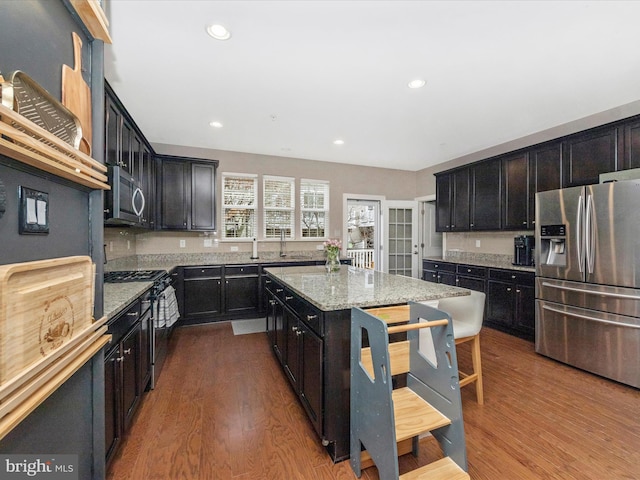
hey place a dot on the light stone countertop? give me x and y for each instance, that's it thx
(489, 261)
(357, 287)
(117, 296)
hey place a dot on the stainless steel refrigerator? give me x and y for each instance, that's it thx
(588, 278)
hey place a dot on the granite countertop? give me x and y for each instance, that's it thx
(117, 296)
(358, 287)
(497, 261)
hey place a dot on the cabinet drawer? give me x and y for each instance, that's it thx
(514, 276)
(472, 271)
(240, 270)
(121, 324)
(438, 266)
(202, 272)
(311, 316)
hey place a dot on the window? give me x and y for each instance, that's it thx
(314, 208)
(279, 204)
(240, 196)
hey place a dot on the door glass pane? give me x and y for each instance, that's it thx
(400, 231)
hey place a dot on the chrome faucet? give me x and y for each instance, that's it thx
(282, 243)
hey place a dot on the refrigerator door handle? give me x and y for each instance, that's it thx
(587, 317)
(579, 233)
(592, 292)
(589, 234)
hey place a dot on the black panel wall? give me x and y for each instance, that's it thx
(35, 37)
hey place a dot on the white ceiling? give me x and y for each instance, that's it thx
(297, 75)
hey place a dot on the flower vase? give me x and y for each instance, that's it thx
(332, 264)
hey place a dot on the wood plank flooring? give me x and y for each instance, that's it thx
(223, 409)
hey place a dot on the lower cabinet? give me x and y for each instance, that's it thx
(241, 289)
(202, 292)
(511, 302)
(439, 272)
(124, 373)
(298, 348)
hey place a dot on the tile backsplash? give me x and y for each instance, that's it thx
(500, 243)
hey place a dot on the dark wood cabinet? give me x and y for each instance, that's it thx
(452, 207)
(511, 302)
(585, 156)
(173, 189)
(545, 173)
(203, 196)
(242, 293)
(439, 272)
(298, 347)
(472, 277)
(187, 190)
(202, 292)
(485, 195)
(631, 152)
(515, 192)
(124, 372)
(127, 148)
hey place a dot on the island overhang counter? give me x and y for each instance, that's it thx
(309, 330)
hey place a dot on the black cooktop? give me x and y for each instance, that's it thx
(133, 276)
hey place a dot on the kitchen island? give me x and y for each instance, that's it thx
(309, 329)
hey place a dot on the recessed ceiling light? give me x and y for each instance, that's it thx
(215, 124)
(417, 83)
(338, 142)
(219, 32)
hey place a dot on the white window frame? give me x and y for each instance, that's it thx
(268, 206)
(246, 203)
(323, 209)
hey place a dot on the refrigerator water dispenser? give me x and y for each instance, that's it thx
(553, 245)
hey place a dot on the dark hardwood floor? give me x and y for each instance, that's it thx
(223, 409)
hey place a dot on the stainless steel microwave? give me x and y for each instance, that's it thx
(125, 202)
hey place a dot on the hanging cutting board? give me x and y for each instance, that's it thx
(44, 305)
(76, 94)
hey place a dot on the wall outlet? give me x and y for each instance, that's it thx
(234, 249)
(320, 247)
(183, 243)
(128, 244)
(477, 243)
(208, 242)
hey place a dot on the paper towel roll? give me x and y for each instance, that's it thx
(254, 252)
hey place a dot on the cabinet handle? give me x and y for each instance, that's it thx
(119, 359)
(457, 280)
(436, 265)
(453, 226)
(298, 333)
(286, 297)
(278, 290)
(127, 351)
(517, 291)
(468, 270)
(267, 281)
(174, 274)
(294, 328)
(311, 317)
(508, 289)
(227, 282)
(132, 314)
(272, 302)
(524, 223)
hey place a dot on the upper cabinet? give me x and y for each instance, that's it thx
(187, 193)
(631, 135)
(515, 192)
(589, 154)
(452, 213)
(485, 195)
(500, 191)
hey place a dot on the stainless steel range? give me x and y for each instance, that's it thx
(159, 330)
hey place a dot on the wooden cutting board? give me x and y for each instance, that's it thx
(43, 306)
(76, 94)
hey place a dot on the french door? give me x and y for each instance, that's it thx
(401, 238)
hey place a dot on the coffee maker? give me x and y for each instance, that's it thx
(523, 246)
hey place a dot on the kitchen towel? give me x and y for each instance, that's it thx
(167, 312)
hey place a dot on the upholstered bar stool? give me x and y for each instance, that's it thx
(467, 313)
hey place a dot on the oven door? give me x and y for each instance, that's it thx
(125, 202)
